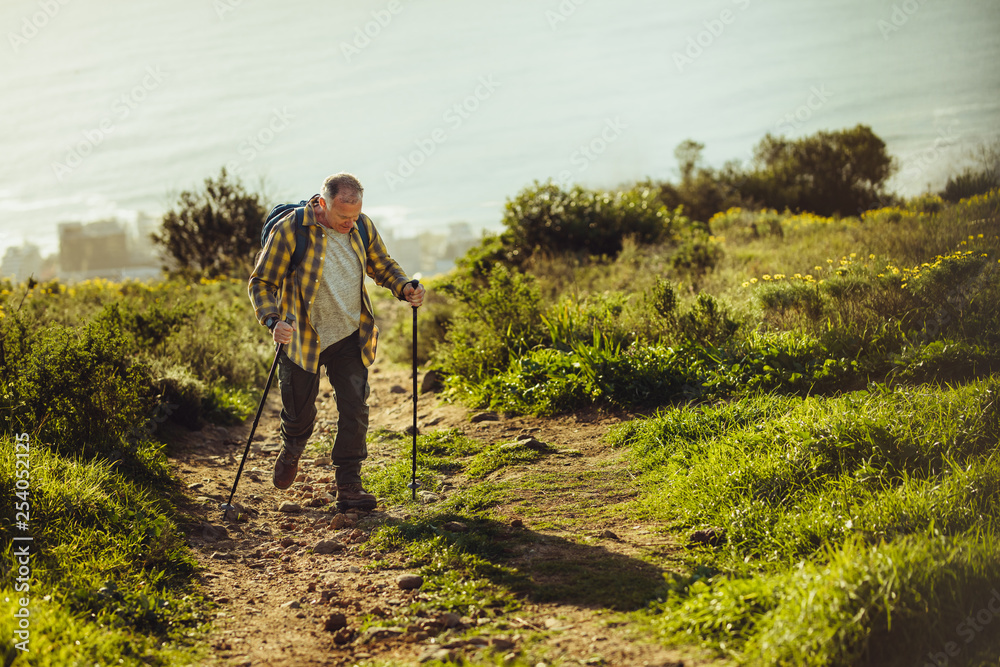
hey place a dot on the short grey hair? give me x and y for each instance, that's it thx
(343, 185)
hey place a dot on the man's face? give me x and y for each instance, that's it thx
(340, 215)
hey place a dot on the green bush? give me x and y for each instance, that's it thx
(492, 324)
(545, 219)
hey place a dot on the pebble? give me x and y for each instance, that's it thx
(354, 569)
(335, 622)
(485, 417)
(455, 527)
(323, 461)
(294, 604)
(327, 546)
(426, 497)
(289, 507)
(410, 581)
(338, 522)
(517, 523)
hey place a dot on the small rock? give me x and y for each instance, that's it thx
(301, 477)
(433, 381)
(221, 556)
(195, 486)
(287, 541)
(441, 655)
(354, 569)
(343, 636)
(294, 604)
(328, 546)
(426, 497)
(608, 535)
(485, 417)
(450, 620)
(397, 389)
(338, 522)
(409, 430)
(410, 581)
(455, 527)
(323, 461)
(501, 644)
(516, 523)
(713, 537)
(213, 533)
(289, 507)
(335, 622)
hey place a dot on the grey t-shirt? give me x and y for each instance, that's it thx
(336, 312)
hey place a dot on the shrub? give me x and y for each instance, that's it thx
(491, 325)
(548, 220)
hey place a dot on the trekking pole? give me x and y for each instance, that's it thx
(228, 506)
(414, 484)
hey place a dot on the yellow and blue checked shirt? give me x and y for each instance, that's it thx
(273, 290)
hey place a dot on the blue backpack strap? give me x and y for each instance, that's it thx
(363, 230)
(301, 239)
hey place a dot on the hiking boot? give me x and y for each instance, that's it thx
(353, 496)
(287, 465)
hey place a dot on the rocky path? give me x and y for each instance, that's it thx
(292, 588)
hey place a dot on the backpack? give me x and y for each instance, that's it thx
(301, 240)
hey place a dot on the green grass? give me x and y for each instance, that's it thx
(859, 528)
(110, 573)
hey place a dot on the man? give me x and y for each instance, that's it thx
(333, 325)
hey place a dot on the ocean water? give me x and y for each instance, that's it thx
(446, 108)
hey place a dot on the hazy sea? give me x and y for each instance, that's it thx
(446, 108)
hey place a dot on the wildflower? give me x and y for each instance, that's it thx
(753, 281)
(766, 276)
(872, 256)
(746, 283)
(829, 261)
(817, 268)
(853, 255)
(808, 277)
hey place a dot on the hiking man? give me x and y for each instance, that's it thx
(333, 325)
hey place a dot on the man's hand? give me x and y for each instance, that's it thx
(415, 297)
(283, 332)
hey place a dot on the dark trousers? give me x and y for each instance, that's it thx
(349, 377)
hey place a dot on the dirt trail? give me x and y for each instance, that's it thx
(276, 595)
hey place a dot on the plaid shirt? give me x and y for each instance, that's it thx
(272, 290)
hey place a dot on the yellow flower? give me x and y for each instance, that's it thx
(766, 276)
(809, 277)
(872, 256)
(979, 236)
(797, 275)
(853, 255)
(829, 261)
(753, 281)
(817, 268)
(746, 284)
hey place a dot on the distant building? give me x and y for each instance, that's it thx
(106, 249)
(21, 263)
